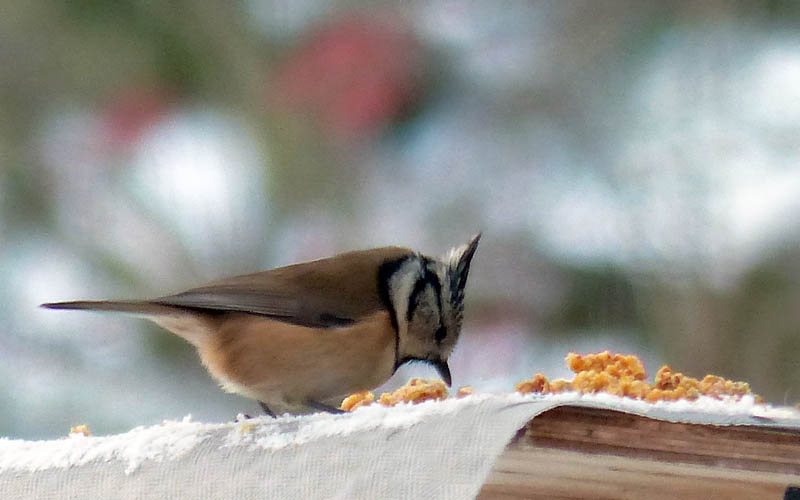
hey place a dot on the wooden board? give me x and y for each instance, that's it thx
(573, 452)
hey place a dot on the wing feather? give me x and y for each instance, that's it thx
(324, 293)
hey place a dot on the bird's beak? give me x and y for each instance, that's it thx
(444, 371)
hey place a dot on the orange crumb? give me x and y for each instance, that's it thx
(538, 383)
(624, 376)
(80, 429)
(415, 391)
(560, 385)
(465, 391)
(616, 365)
(357, 400)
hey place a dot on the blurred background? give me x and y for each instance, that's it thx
(634, 168)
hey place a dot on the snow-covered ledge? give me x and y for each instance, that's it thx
(431, 450)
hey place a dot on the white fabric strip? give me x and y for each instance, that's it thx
(431, 450)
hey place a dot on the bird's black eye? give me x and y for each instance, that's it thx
(441, 333)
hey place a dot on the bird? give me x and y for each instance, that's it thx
(299, 338)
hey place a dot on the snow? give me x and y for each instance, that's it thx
(174, 439)
(162, 442)
(704, 410)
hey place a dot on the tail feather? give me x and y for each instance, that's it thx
(190, 325)
(143, 308)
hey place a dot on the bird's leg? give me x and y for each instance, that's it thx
(266, 409)
(323, 407)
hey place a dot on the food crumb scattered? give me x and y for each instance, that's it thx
(625, 376)
(357, 400)
(538, 383)
(80, 429)
(415, 391)
(621, 375)
(465, 391)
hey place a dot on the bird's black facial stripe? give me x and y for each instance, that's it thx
(385, 273)
(428, 277)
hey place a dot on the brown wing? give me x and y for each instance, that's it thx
(323, 293)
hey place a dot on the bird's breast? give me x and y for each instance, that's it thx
(271, 360)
